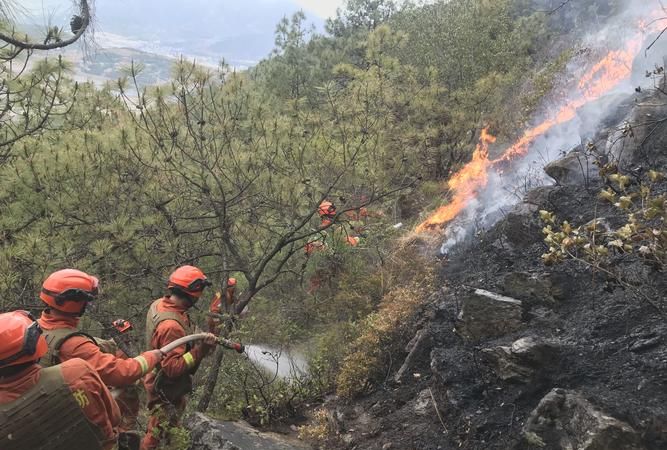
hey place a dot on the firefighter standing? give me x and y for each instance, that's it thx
(66, 294)
(327, 212)
(169, 385)
(330, 236)
(216, 309)
(62, 407)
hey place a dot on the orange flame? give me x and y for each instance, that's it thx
(464, 183)
(604, 76)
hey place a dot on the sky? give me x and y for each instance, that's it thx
(241, 31)
(323, 8)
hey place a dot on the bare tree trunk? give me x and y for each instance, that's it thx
(211, 381)
(214, 372)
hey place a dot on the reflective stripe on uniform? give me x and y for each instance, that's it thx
(189, 360)
(143, 363)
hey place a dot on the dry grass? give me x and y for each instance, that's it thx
(385, 331)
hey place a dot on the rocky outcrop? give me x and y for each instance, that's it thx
(210, 434)
(574, 169)
(566, 420)
(530, 288)
(636, 136)
(524, 361)
(519, 223)
(485, 314)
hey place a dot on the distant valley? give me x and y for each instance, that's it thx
(158, 32)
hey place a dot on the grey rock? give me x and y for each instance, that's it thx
(485, 314)
(573, 169)
(565, 420)
(505, 366)
(210, 434)
(625, 143)
(423, 405)
(520, 227)
(540, 196)
(348, 438)
(561, 285)
(532, 289)
(525, 360)
(645, 344)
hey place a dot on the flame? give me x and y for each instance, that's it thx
(604, 76)
(464, 183)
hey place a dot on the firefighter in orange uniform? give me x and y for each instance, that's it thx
(169, 385)
(66, 294)
(217, 308)
(63, 407)
(327, 212)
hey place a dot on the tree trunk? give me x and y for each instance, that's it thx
(211, 380)
(212, 376)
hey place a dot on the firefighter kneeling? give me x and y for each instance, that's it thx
(63, 407)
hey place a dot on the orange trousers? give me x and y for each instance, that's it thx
(163, 417)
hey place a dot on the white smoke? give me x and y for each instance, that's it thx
(284, 364)
(504, 191)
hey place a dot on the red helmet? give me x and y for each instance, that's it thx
(69, 290)
(189, 280)
(21, 339)
(231, 282)
(326, 209)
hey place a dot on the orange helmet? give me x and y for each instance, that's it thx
(21, 339)
(189, 280)
(231, 282)
(69, 290)
(326, 209)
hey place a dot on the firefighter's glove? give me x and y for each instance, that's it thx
(207, 345)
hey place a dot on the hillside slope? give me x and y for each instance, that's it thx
(567, 359)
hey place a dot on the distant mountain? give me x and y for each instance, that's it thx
(241, 31)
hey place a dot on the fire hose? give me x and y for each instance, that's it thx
(225, 343)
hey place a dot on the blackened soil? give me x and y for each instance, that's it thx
(613, 340)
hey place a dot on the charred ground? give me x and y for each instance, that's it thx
(599, 341)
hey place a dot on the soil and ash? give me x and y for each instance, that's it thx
(511, 354)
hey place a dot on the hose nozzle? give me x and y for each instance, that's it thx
(236, 346)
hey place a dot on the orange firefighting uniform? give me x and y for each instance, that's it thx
(99, 406)
(115, 370)
(179, 362)
(217, 307)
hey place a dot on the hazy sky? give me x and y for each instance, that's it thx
(240, 30)
(323, 8)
